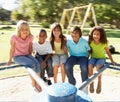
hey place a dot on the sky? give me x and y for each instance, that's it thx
(8, 4)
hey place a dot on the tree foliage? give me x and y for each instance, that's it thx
(4, 15)
(49, 11)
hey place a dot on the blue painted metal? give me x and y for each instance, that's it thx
(59, 92)
(90, 79)
(96, 74)
(63, 92)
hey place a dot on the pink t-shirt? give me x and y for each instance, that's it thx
(21, 46)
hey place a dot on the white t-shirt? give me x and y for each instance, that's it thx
(42, 49)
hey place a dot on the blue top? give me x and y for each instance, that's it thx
(78, 49)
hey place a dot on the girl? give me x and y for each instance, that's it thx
(99, 44)
(59, 57)
(21, 49)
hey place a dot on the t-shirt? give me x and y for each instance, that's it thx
(58, 49)
(21, 46)
(42, 49)
(98, 50)
(78, 49)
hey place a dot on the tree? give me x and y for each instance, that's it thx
(45, 11)
(4, 15)
(49, 11)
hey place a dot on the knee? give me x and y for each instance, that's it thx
(84, 69)
(66, 66)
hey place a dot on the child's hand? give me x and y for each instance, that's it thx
(8, 63)
(114, 63)
(44, 65)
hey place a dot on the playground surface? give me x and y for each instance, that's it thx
(20, 89)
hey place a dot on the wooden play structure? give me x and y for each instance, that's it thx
(78, 16)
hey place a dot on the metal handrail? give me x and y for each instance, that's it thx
(83, 85)
(98, 73)
(40, 82)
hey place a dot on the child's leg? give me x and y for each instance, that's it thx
(33, 80)
(99, 81)
(55, 64)
(55, 71)
(63, 72)
(37, 85)
(90, 73)
(49, 68)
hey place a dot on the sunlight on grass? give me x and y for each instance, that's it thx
(13, 72)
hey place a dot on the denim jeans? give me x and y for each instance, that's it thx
(28, 61)
(48, 69)
(82, 61)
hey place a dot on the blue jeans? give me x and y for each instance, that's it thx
(82, 61)
(28, 61)
(48, 69)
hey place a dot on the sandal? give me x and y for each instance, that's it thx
(91, 88)
(98, 90)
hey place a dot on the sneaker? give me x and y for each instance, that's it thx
(49, 82)
(45, 79)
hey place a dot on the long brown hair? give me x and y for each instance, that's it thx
(62, 37)
(103, 38)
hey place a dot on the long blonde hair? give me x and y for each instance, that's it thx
(19, 25)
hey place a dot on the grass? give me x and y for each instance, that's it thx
(20, 71)
(6, 32)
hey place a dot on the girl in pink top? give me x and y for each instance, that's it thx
(21, 49)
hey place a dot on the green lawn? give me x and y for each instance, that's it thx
(113, 38)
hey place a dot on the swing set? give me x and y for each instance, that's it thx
(78, 16)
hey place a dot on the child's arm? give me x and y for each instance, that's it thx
(109, 55)
(30, 48)
(44, 62)
(12, 50)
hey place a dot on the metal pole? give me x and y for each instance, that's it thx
(90, 79)
(38, 79)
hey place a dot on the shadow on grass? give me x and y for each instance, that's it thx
(6, 27)
(113, 33)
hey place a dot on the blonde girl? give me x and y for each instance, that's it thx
(58, 42)
(99, 45)
(21, 49)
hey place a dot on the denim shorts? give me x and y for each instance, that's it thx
(59, 59)
(97, 61)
